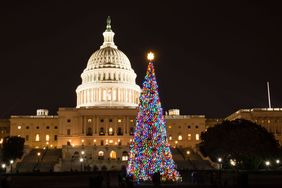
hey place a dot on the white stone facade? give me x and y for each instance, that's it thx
(108, 79)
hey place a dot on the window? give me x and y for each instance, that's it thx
(89, 131)
(19, 127)
(56, 127)
(170, 137)
(113, 155)
(169, 126)
(68, 120)
(101, 131)
(101, 120)
(37, 139)
(197, 126)
(68, 131)
(26, 137)
(119, 120)
(47, 137)
(27, 127)
(131, 121)
(37, 127)
(189, 136)
(131, 130)
(189, 127)
(102, 142)
(55, 137)
(179, 137)
(89, 120)
(124, 156)
(47, 127)
(119, 131)
(100, 155)
(111, 131)
(197, 137)
(110, 120)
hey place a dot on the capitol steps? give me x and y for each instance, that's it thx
(43, 162)
(191, 161)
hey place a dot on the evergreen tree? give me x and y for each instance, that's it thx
(13, 148)
(150, 151)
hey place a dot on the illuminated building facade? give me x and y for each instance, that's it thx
(269, 118)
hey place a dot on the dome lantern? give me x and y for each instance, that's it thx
(108, 36)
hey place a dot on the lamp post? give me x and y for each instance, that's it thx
(81, 161)
(188, 154)
(267, 164)
(4, 167)
(11, 163)
(219, 161)
(38, 156)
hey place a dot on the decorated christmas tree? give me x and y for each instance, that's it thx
(150, 151)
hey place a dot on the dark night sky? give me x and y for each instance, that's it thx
(213, 57)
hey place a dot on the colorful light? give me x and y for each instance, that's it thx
(150, 151)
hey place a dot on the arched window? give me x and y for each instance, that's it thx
(100, 155)
(101, 131)
(179, 137)
(113, 155)
(37, 139)
(119, 131)
(111, 131)
(189, 137)
(89, 131)
(124, 156)
(47, 137)
(131, 130)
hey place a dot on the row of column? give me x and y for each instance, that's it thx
(107, 94)
(108, 76)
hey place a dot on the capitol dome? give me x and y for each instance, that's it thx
(108, 79)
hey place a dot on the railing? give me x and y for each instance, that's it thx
(213, 164)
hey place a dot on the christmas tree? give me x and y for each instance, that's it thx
(150, 151)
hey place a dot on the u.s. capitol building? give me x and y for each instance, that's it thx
(101, 126)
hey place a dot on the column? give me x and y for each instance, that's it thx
(95, 94)
(99, 95)
(87, 95)
(121, 95)
(113, 92)
(124, 95)
(92, 95)
(118, 95)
